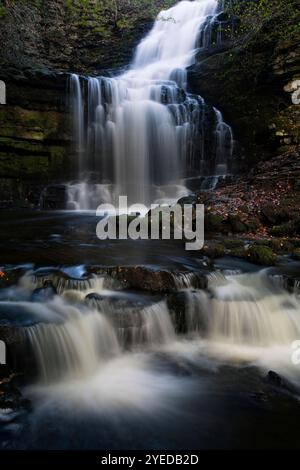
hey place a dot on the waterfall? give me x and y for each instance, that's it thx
(82, 338)
(78, 117)
(247, 316)
(224, 144)
(74, 348)
(141, 133)
(245, 310)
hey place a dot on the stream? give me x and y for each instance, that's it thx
(115, 367)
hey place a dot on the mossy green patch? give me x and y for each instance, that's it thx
(262, 255)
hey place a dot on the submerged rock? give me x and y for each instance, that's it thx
(45, 293)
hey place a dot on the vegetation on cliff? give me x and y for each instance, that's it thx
(73, 35)
(249, 75)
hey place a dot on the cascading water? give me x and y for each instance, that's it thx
(105, 356)
(140, 134)
(245, 317)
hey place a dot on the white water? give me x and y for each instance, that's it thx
(240, 319)
(139, 133)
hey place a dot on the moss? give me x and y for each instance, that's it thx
(238, 252)
(3, 11)
(27, 166)
(214, 250)
(213, 222)
(262, 255)
(32, 124)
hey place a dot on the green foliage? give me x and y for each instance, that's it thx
(3, 11)
(280, 17)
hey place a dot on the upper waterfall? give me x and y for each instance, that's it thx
(140, 134)
(169, 47)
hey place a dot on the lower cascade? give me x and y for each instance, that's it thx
(240, 317)
(141, 133)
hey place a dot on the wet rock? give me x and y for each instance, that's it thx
(58, 281)
(155, 280)
(119, 302)
(124, 311)
(10, 334)
(177, 304)
(188, 200)
(54, 197)
(15, 346)
(214, 250)
(276, 380)
(45, 293)
(11, 398)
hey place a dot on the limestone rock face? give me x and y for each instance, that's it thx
(71, 35)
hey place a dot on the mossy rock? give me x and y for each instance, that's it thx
(282, 230)
(214, 250)
(232, 244)
(263, 255)
(287, 229)
(215, 223)
(238, 252)
(252, 225)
